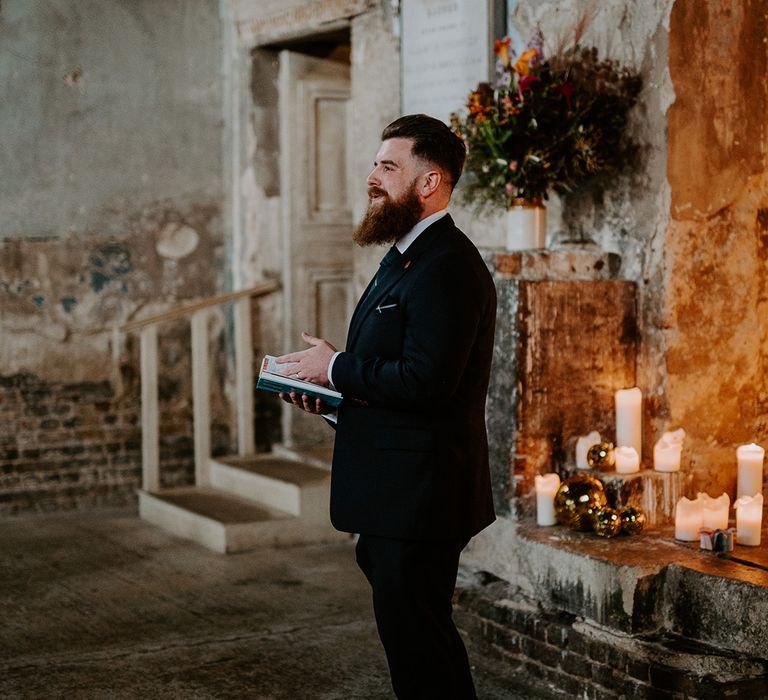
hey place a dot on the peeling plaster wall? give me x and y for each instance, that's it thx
(715, 312)
(110, 184)
(110, 209)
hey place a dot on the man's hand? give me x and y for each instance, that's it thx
(306, 403)
(311, 365)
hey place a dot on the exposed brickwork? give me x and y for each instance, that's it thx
(563, 660)
(72, 446)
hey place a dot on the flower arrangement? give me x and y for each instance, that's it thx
(544, 124)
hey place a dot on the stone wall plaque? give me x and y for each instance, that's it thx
(446, 50)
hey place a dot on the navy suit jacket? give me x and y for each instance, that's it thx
(411, 452)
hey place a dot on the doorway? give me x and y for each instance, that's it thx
(315, 212)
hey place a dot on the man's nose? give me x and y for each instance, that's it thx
(373, 178)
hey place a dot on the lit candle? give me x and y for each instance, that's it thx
(627, 460)
(688, 519)
(714, 511)
(749, 519)
(750, 480)
(629, 417)
(667, 451)
(582, 447)
(546, 488)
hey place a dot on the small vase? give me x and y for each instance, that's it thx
(526, 225)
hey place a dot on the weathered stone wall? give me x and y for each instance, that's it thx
(110, 209)
(715, 297)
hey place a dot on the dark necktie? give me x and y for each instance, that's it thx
(393, 254)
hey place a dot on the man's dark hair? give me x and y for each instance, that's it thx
(433, 142)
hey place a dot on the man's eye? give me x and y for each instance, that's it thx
(387, 168)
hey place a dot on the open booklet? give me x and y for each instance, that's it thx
(270, 379)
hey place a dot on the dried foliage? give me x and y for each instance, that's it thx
(545, 125)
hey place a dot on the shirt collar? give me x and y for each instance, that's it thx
(406, 240)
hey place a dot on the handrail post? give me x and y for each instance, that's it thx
(244, 377)
(150, 416)
(201, 397)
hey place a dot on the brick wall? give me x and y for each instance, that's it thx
(72, 446)
(564, 657)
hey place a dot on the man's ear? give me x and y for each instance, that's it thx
(431, 181)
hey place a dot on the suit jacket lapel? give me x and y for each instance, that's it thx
(373, 295)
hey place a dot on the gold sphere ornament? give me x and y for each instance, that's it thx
(577, 499)
(607, 522)
(632, 520)
(601, 456)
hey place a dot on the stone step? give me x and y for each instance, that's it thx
(287, 485)
(320, 456)
(227, 523)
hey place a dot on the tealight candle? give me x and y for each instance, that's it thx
(627, 460)
(749, 519)
(715, 511)
(667, 451)
(582, 447)
(629, 417)
(546, 488)
(750, 470)
(688, 519)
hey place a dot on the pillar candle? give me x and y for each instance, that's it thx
(750, 479)
(714, 511)
(582, 447)
(546, 488)
(627, 460)
(667, 451)
(749, 519)
(688, 519)
(629, 412)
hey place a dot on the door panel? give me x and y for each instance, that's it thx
(317, 218)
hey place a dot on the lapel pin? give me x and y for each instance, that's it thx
(407, 264)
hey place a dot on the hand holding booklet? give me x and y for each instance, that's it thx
(271, 379)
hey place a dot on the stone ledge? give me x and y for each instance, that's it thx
(645, 584)
(563, 263)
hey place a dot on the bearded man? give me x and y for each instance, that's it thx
(410, 466)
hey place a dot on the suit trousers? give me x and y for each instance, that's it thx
(412, 584)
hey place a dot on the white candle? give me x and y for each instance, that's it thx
(688, 519)
(582, 447)
(714, 511)
(667, 451)
(629, 419)
(627, 460)
(749, 519)
(546, 488)
(750, 479)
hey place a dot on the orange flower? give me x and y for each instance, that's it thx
(501, 49)
(523, 65)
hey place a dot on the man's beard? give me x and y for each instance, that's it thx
(390, 219)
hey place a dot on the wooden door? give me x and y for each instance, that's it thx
(316, 212)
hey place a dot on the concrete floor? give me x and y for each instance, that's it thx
(102, 605)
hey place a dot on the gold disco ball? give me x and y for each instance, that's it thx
(632, 520)
(601, 456)
(577, 499)
(607, 522)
